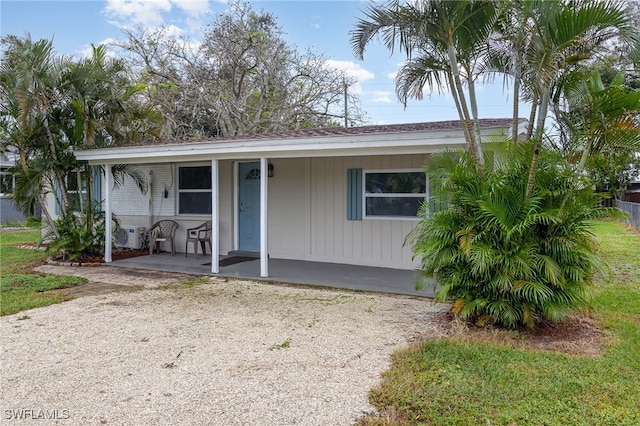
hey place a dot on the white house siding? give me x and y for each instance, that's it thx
(308, 214)
(133, 208)
(289, 206)
(127, 201)
(307, 210)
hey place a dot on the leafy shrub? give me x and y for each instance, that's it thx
(78, 237)
(500, 256)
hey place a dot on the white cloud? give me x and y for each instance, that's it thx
(383, 97)
(137, 12)
(154, 13)
(173, 31)
(352, 69)
(193, 7)
(196, 10)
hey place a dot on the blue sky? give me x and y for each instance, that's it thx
(322, 26)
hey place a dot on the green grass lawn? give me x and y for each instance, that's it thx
(471, 382)
(20, 287)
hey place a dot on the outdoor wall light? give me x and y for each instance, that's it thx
(270, 169)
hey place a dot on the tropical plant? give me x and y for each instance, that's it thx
(29, 73)
(541, 43)
(445, 46)
(512, 247)
(598, 118)
(535, 44)
(80, 238)
(51, 105)
(499, 255)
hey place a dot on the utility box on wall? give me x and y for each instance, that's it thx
(131, 237)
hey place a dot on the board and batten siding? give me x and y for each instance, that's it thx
(308, 214)
(289, 208)
(307, 210)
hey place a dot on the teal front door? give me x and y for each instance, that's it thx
(249, 206)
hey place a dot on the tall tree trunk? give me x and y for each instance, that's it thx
(516, 96)
(465, 118)
(474, 112)
(586, 151)
(40, 198)
(542, 113)
(532, 116)
(458, 106)
(64, 202)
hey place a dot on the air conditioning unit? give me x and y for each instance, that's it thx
(131, 237)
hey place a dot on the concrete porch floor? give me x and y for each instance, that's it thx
(352, 277)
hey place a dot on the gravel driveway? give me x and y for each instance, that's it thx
(220, 353)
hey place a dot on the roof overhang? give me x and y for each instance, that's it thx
(418, 142)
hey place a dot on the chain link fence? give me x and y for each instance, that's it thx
(634, 213)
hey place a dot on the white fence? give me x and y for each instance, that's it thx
(634, 213)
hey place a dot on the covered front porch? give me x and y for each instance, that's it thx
(330, 207)
(342, 276)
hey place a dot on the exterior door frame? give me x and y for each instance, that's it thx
(236, 202)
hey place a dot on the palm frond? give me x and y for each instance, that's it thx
(122, 171)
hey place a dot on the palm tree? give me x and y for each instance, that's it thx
(29, 77)
(600, 118)
(445, 45)
(51, 105)
(556, 38)
(503, 257)
(102, 111)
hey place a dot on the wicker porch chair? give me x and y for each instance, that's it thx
(200, 234)
(163, 230)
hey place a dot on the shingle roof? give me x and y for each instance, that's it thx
(345, 131)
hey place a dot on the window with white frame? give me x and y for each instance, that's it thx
(194, 190)
(394, 193)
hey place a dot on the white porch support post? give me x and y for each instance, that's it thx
(215, 216)
(264, 243)
(108, 238)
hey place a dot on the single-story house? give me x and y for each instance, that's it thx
(338, 195)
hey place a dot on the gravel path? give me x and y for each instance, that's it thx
(219, 353)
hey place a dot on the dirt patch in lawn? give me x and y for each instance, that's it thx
(576, 335)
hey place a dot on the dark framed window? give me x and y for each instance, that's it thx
(7, 182)
(194, 190)
(393, 193)
(77, 190)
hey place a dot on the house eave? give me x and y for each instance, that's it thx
(328, 146)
